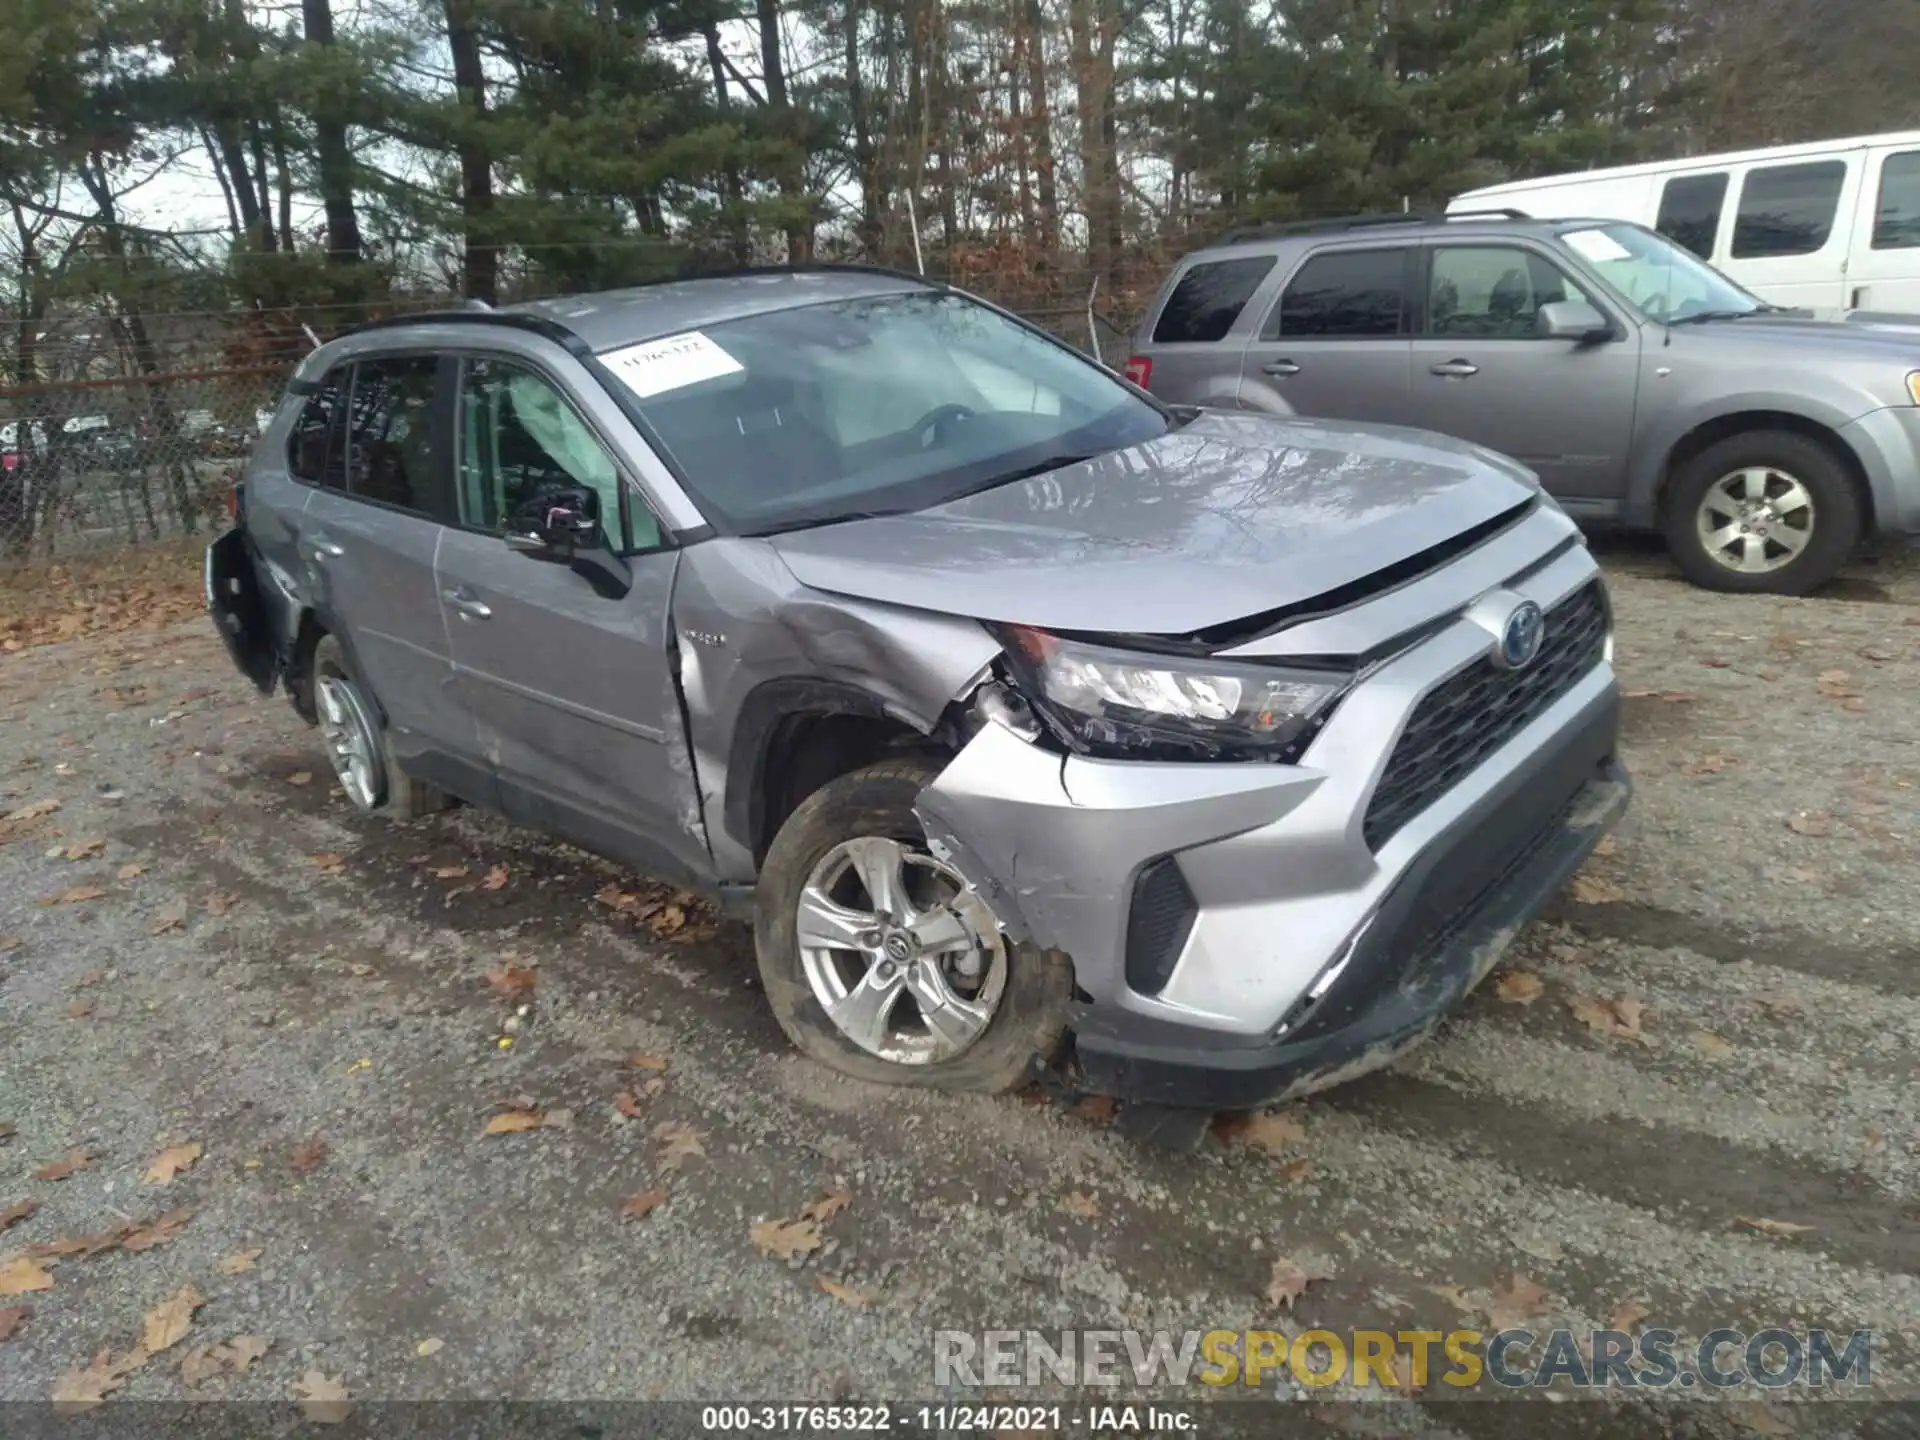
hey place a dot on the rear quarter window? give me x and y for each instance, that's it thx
(1208, 299)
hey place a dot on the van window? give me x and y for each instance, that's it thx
(1787, 209)
(1896, 219)
(1690, 211)
(1345, 294)
(1208, 299)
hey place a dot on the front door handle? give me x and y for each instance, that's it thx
(462, 600)
(1455, 369)
(1279, 367)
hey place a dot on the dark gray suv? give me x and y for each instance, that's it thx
(1642, 386)
(1007, 700)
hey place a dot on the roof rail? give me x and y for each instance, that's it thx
(1243, 233)
(1494, 212)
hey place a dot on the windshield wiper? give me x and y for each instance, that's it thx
(1038, 467)
(1701, 317)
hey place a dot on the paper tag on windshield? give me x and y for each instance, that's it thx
(1597, 246)
(670, 364)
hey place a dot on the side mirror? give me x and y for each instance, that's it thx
(555, 525)
(1571, 320)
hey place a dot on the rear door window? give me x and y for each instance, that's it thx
(1896, 216)
(1208, 299)
(1787, 209)
(1690, 211)
(1344, 295)
(317, 448)
(390, 451)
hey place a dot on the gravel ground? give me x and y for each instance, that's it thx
(265, 974)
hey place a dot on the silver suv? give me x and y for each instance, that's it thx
(1644, 387)
(1007, 700)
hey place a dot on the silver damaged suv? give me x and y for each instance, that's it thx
(1009, 702)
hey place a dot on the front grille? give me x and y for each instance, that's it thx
(1158, 923)
(1464, 719)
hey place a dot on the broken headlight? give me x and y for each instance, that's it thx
(1122, 705)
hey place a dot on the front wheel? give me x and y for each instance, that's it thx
(1766, 511)
(880, 962)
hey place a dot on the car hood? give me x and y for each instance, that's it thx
(1227, 517)
(1866, 337)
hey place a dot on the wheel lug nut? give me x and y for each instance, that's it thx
(870, 938)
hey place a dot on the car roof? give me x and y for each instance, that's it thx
(1389, 228)
(612, 318)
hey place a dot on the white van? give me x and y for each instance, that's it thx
(1833, 227)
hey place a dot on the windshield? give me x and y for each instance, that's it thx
(1666, 282)
(888, 403)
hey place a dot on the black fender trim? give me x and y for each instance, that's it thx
(766, 705)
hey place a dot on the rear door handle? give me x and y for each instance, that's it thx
(324, 549)
(1457, 369)
(1279, 367)
(461, 599)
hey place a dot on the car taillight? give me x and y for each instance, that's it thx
(1140, 370)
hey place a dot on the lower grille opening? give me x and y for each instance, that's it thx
(1158, 923)
(1465, 718)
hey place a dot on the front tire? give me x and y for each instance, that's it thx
(879, 962)
(1764, 512)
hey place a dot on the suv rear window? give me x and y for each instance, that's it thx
(1787, 209)
(1208, 299)
(1346, 294)
(1690, 211)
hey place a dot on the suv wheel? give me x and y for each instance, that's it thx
(1771, 511)
(356, 741)
(880, 962)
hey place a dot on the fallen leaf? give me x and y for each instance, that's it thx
(1270, 1130)
(79, 1009)
(1710, 1044)
(1835, 684)
(7, 1132)
(1708, 765)
(1619, 1019)
(784, 1239)
(1294, 1172)
(322, 1400)
(1606, 846)
(172, 916)
(172, 1161)
(1783, 1003)
(431, 1346)
(613, 896)
(81, 1390)
(447, 872)
(496, 878)
(1455, 1297)
(1097, 1109)
(511, 1122)
(221, 901)
(836, 1199)
(91, 977)
(644, 1203)
(35, 811)
(1519, 987)
(1517, 1302)
(678, 1144)
(308, 1156)
(152, 1233)
(648, 1062)
(131, 870)
(1772, 1227)
(14, 1214)
(845, 1294)
(167, 1323)
(22, 1275)
(300, 777)
(1080, 1205)
(67, 1168)
(512, 982)
(1757, 1417)
(199, 1365)
(629, 1105)
(1595, 890)
(239, 1262)
(85, 849)
(327, 862)
(1627, 1315)
(1289, 1281)
(1812, 823)
(12, 1317)
(1874, 1144)
(76, 895)
(671, 918)
(1854, 705)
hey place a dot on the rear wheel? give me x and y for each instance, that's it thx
(880, 962)
(356, 741)
(1767, 511)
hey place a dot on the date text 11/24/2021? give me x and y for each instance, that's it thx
(946, 1419)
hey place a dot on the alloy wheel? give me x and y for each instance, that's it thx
(348, 731)
(908, 963)
(1755, 520)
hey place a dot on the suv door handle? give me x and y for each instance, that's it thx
(323, 549)
(1458, 369)
(1279, 367)
(461, 599)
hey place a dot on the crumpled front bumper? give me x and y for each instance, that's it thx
(1310, 955)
